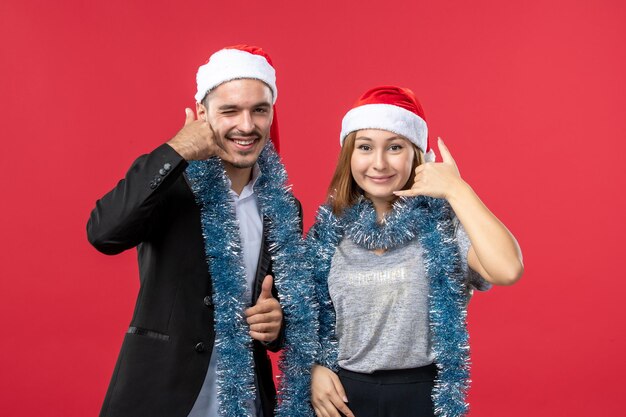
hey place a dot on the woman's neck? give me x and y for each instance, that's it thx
(382, 207)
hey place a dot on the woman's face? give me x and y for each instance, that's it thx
(381, 164)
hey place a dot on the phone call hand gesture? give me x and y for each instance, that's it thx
(196, 140)
(435, 179)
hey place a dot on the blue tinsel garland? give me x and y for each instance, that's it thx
(235, 376)
(430, 221)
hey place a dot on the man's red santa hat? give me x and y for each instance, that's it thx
(235, 63)
(390, 108)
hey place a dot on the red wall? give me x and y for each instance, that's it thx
(530, 99)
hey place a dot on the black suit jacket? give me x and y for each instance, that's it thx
(166, 351)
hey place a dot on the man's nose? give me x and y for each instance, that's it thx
(246, 124)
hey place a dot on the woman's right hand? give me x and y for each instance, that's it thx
(327, 394)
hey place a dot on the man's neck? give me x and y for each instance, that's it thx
(239, 177)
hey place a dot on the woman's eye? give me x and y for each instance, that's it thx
(364, 147)
(395, 147)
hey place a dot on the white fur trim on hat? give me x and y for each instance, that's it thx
(386, 117)
(429, 156)
(233, 64)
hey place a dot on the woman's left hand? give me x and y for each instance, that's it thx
(494, 253)
(435, 179)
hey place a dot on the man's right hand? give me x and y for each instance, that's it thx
(196, 140)
(327, 394)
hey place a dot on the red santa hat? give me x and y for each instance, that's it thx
(234, 63)
(390, 108)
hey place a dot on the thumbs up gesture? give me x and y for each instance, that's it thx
(266, 317)
(435, 179)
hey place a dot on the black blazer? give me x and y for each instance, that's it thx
(166, 351)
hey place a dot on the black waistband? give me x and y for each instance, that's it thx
(396, 376)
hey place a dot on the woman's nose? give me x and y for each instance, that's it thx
(380, 161)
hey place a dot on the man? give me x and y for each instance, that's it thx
(217, 234)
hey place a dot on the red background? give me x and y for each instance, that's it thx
(530, 98)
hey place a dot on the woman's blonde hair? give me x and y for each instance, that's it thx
(343, 191)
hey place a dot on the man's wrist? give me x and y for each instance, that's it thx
(184, 150)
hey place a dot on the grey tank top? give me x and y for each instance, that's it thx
(381, 305)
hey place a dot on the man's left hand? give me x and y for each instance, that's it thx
(266, 317)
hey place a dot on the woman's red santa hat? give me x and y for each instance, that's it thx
(235, 63)
(390, 108)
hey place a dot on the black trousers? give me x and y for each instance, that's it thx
(396, 393)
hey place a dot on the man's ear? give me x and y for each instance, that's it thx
(201, 112)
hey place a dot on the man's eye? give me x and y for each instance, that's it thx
(261, 110)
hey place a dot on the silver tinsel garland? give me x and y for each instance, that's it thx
(235, 375)
(430, 221)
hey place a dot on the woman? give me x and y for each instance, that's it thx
(397, 250)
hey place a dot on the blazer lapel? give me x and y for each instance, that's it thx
(264, 263)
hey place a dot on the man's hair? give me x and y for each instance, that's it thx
(205, 99)
(343, 191)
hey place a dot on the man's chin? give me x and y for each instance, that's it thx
(245, 158)
(242, 164)
(241, 161)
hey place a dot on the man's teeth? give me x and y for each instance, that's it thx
(243, 142)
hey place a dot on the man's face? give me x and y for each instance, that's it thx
(240, 113)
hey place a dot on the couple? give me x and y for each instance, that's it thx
(371, 321)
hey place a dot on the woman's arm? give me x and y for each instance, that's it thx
(494, 253)
(327, 394)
